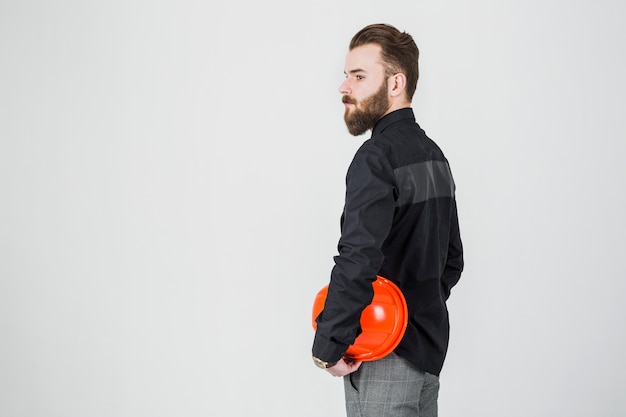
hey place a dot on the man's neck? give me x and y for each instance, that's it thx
(397, 106)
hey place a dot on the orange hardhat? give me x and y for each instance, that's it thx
(383, 322)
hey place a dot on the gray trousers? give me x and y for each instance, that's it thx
(390, 387)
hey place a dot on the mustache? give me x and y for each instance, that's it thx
(348, 100)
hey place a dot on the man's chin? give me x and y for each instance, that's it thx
(356, 130)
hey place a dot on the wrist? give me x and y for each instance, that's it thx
(323, 364)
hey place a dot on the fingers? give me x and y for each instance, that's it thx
(344, 367)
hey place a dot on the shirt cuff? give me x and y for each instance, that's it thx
(328, 350)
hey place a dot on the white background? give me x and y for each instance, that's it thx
(172, 177)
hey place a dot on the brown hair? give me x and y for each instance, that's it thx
(398, 51)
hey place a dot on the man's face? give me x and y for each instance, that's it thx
(364, 90)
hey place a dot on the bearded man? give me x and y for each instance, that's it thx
(400, 222)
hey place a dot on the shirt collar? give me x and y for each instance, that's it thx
(391, 118)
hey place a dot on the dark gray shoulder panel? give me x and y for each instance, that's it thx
(422, 181)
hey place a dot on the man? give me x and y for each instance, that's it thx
(400, 222)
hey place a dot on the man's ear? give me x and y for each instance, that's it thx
(397, 84)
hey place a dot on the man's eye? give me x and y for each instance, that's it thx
(360, 77)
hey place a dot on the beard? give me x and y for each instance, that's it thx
(361, 119)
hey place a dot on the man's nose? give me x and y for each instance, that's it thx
(344, 88)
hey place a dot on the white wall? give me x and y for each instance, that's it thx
(171, 181)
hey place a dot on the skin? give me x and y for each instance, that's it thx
(344, 367)
(365, 75)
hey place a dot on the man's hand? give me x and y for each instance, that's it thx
(344, 367)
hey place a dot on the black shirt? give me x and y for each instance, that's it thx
(400, 222)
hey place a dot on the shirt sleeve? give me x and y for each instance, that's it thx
(366, 222)
(454, 261)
